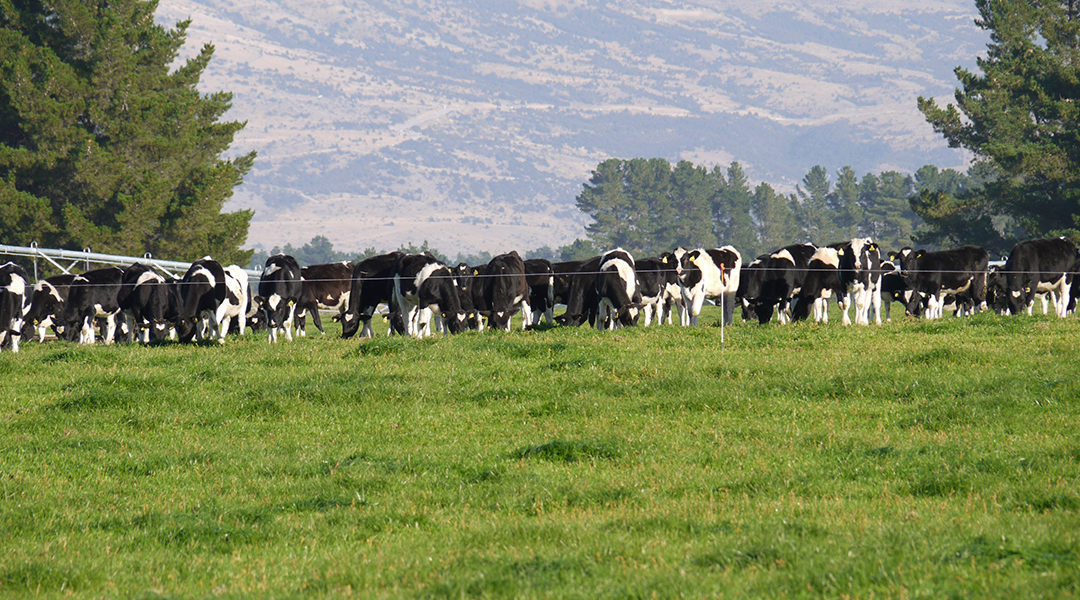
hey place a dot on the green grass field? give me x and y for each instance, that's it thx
(915, 459)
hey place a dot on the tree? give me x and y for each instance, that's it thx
(814, 214)
(103, 144)
(733, 209)
(690, 225)
(774, 221)
(1022, 114)
(843, 202)
(955, 212)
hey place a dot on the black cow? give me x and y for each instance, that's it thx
(13, 287)
(821, 283)
(751, 279)
(893, 287)
(581, 299)
(655, 278)
(934, 275)
(423, 285)
(145, 299)
(616, 290)
(92, 295)
(783, 274)
(325, 286)
(540, 276)
(202, 301)
(505, 289)
(1039, 266)
(46, 306)
(372, 284)
(280, 290)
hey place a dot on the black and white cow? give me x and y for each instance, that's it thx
(710, 273)
(237, 299)
(92, 295)
(46, 305)
(860, 275)
(14, 283)
(751, 280)
(822, 282)
(934, 275)
(783, 274)
(280, 291)
(372, 284)
(326, 287)
(580, 296)
(203, 295)
(424, 286)
(145, 301)
(541, 279)
(893, 288)
(1039, 266)
(672, 296)
(506, 289)
(616, 289)
(655, 278)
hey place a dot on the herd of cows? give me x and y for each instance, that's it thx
(424, 295)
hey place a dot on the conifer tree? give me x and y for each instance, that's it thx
(105, 142)
(1022, 113)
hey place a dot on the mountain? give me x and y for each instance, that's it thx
(473, 125)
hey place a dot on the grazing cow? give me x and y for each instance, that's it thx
(712, 273)
(893, 287)
(237, 299)
(145, 300)
(1039, 266)
(92, 295)
(540, 278)
(469, 285)
(581, 299)
(783, 274)
(505, 289)
(13, 306)
(202, 306)
(46, 306)
(325, 287)
(422, 286)
(616, 290)
(821, 283)
(655, 278)
(280, 288)
(934, 275)
(751, 280)
(563, 279)
(672, 298)
(372, 284)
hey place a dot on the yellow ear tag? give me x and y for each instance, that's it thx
(476, 272)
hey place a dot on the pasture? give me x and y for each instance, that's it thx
(915, 459)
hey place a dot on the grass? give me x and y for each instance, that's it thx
(913, 459)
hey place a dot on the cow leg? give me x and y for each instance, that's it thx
(366, 331)
(845, 307)
(526, 314)
(695, 308)
(1063, 299)
(289, 322)
(875, 305)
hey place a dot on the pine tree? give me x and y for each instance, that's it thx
(734, 201)
(814, 215)
(1022, 114)
(774, 221)
(104, 144)
(691, 224)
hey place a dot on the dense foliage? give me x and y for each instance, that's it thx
(649, 205)
(1021, 117)
(103, 143)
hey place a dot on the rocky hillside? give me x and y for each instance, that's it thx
(473, 125)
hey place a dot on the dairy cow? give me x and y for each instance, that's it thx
(202, 301)
(92, 295)
(13, 288)
(372, 284)
(280, 291)
(782, 277)
(46, 305)
(506, 289)
(423, 287)
(325, 287)
(710, 273)
(1039, 266)
(540, 277)
(145, 301)
(616, 290)
(935, 275)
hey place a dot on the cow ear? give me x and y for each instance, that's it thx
(920, 254)
(664, 260)
(872, 246)
(840, 252)
(476, 271)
